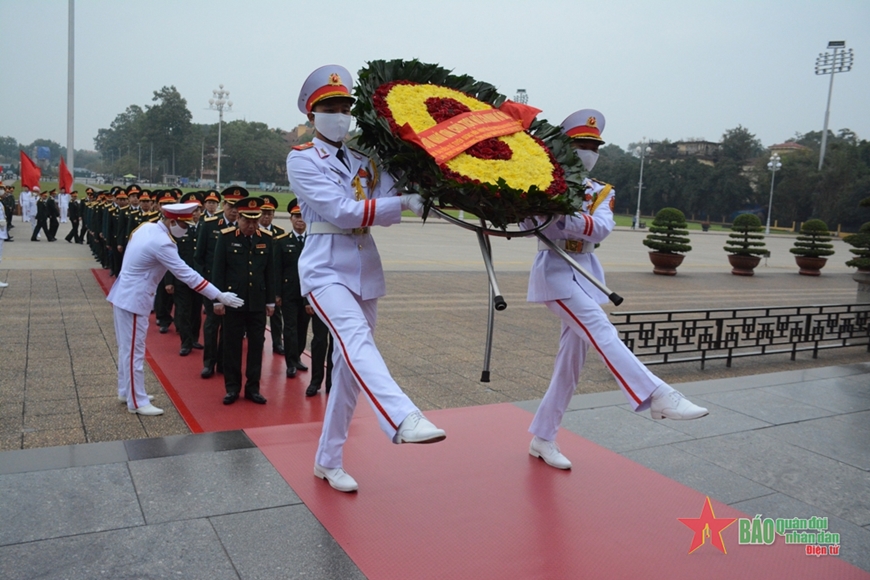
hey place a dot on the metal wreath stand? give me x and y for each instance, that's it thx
(496, 300)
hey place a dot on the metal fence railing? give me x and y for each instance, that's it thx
(672, 336)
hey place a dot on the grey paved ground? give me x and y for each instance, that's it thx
(784, 439)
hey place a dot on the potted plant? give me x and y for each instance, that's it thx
(667, 240)
(811, 247)
(861, 248)
(745, 246)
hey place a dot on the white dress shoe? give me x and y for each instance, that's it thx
(675, 406)
(124, 399)
(149, 410)
(338, 478)
(549, 452)
(418, 429)
(3, 285)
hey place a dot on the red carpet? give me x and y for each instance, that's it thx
(478, 506)
(200, 401)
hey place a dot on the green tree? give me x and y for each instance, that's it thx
(9, 148)
(254, 153)
(167, 125)
(739, 145)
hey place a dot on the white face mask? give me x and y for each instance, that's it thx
(587, 157)
(333, 126)
(176, 230)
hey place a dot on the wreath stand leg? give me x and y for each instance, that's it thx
(611, 295)
(496, 300)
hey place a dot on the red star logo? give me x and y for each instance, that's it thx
(707, 526)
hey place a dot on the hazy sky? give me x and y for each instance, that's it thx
(670, 69)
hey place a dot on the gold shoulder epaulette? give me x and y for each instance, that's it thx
(228, 230)
(599, 182)
(267, 232)
(282, 236)
(303, 146)
(211, 219)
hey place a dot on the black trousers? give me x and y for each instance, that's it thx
(276, 327)
(163, 306)
(238, 325)
(295, 329)
(74, 232)
(53, 225)
(321, 352)
(212, 341)
(40, 225)
(188, 314)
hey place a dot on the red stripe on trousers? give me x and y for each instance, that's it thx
(595, 344)
(132, 353)
(350, 365)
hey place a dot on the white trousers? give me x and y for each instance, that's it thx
(357, 365)
(130, 332)
(584, 325)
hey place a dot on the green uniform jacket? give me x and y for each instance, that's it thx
(245, 267)
(206, 242)
(286, 253)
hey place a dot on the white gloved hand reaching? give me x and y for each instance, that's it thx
(230, 299)
(413, 202)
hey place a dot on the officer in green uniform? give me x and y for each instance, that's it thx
(188, 304)
(288, 247)
(206, 242)
(243, 265)
(276, 324)
(163, 301)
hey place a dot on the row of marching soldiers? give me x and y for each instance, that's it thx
(109, 219)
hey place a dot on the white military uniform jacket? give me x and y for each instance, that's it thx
(552, 278)
(150, 252)
(330, 192)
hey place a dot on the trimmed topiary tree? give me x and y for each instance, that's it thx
(667, 240)
(745, 246)
(745, 239)
(811, 247)
(861, 248)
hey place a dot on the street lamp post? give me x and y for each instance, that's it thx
(831, 63)
(642, 150)
(774, 165)
(220, 104)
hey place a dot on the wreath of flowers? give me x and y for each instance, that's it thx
(503, 180)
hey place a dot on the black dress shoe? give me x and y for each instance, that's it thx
(300, 366)
(184, 351)
(312, 390)
(291, 372)
(328, 388)
(231, 398)
(197, 346)
(278, 349)
(256, 398)
(207, 372)
(164, 329)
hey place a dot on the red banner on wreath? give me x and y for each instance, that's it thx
(449, 138)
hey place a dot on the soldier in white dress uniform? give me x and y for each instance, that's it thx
(342, 194)
(576, 301)
(151, 251)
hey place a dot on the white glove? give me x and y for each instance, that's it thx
(413, 202)
(230, 299)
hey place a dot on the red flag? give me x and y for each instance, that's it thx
(64, 177)
(30, 173)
